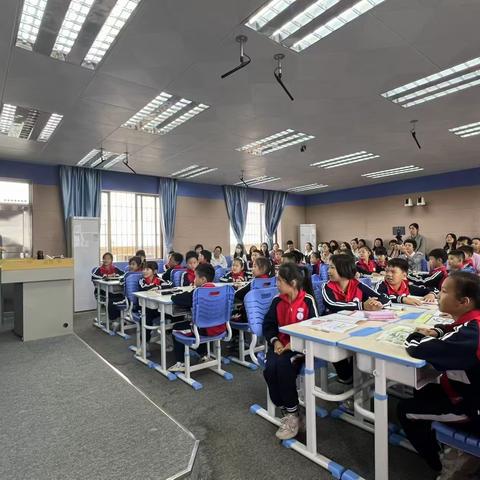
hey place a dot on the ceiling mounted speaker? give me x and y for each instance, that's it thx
(421, 202)
(408, 202)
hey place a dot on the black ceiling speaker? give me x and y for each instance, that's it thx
(278, 73)
(242, 40)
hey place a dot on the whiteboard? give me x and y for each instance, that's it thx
(84, 248)
(308, 233)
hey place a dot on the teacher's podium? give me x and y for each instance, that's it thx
(40, 293)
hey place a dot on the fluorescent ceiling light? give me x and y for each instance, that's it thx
(451, 80)
(304, 188)
(30, 21)
(275, 142)
(203, 173)
(119, 15)
(463, 131)
(164, 113)
(183, 170)
(92, 154)
(72, 24)
(115, 160)
(356, 157)
(258, 180)
(50, 127)
(7, 117)
(103, 156)
(95, 157)
(393, 171)
(295, 31)
(192, 171)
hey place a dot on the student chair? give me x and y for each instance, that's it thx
(121, 265)
(264, 283)
(256, 303)
(309, 267)
(229, 261)
(211, 307)
(324, 272)
(161, 264)
(456, 438)
(128, 318)
(177, 276)
(317, 293)
(219, 273)
(366, 281)
(424, 265)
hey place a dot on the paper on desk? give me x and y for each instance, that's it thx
(356, 314)
(332, 323)
(395, 335)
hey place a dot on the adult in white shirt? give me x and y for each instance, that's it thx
(419, 239)
(414, 258)
(218, 259)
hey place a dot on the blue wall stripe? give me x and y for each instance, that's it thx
(35, 173)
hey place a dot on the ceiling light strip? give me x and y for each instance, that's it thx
(390, 170)
(356, 154)
(50, 127)
(463, 127)
(114, 161)
(183, 170)
(166, 114)
(349, 162)
(183, 118)
(7, 117)
(268, 13)
(203, 173)
(197, 170)
(476, 132)
(326, 163)
(30, 21)
(93, 153)
(264, 140)
(396, 173)
(103, 157)
(147, 110)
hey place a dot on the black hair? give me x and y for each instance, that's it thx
(457, 253)
(396, 241)
(354, 240)
(349, 247)
(191, 254)
(335, 245)
(369, 250)
(439, 254)
(309, 243)
(467, 285)
(381, 242)
(207, 255)
(239, 255)
(239, 260)
(345, 265)
(412, 242)
(299, 256)
(198, 245)
(218, 246)
(401, 263)
(363, 241)
(177, 257)
(289, 242)
(475, 238)
(135, 259)
(454, 244)
(265, 265)
(107, 254)
(381, 251)
(140, 253)
(316, 254)
(415, 225)
(462, 238)
(152, 266)
(206, 271)
(293, 273)
(264, 252)
(466, 249)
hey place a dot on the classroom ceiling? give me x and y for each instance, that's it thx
(183, 46)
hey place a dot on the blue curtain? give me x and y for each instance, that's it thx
(167, 189)
(237, 206)
(81, 191)
(274, 205)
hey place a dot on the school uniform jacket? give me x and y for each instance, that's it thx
(432, 280)
(283, 312)
(456, 353)
(102, 271)
(231, 277)
(241, 292)
(468, 266)
(187, 278)
(379, 268)
(404, 290)
(167, 276)
(151, 283)
(366, 268)
(185, 300)
(335, 299)
(116, 296)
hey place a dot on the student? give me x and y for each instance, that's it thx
(413, 257)
(198, 248)
(218, 259)
(204, 275)
(236, 274)
(396, 286)
(264, 250)
(240, 253)
(345, 247)
(277, 259)
(450, 242)
(308, 251)
(468, 265)
(188, 276)
(394, 248)
(325, 252)
(366, 265)
(143, 257)
(294, 304)
(316, 262)
(107, 269)
(463, 240)
(252, 249)
(453, 350)
(262, 268)
(476, 254)
(354, 245)
(175, 263)
(437, 260)
(361, 243)
(380, 259)
(476, 245)
(419, 239)
(205, 256)
(254, 255)
(289, 257)
(334, 247)
(456, 262)
(276, 247)
(377, 243)
(135, 264)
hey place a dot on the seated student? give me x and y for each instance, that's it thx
(240, 253)
(456, 262)
(396, 286)
(175, 263)
(413, 258)
(143, 257)
(205, 256)
(218, 259)
(107, 269)
(366, 265)
(453, 350)
(437, 259)
(380, 259)
(316, 262)
(289, 257)
(252, 249)
(395, 248)
(204, 275)
(277, 258)
(253, 256)
(262, 268)
(463, 240)
(294, 304)
(325, 251)
(188, 276)
(264, 251)
(236, 274)
(468, 265)
(198, 248)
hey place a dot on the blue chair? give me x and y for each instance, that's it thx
(317, 293)
(229, 261)
(219, 273)
(263, 283)
(160, 263)
(316, 278)
(461, 440)
(121, 265)
(309, 267)
(177, 276)
(128, 318)
(424, 265)
(366, 281)
(212, 307)
(256, 303)
(324, 272)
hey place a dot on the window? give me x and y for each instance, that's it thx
(254, 229)
(130, 221)
(14, 192)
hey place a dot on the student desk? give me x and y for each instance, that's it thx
(106, 286)
(42, 296)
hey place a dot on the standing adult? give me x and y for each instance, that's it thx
(419, 239)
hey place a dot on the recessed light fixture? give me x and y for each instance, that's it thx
(345, 160)
(164, 113)
(451, 80)
(304, 188)
(393, 171)
(103, 158)
(463, 131)
(81, 19)
(272, 143)
(192, 171)
(258, 180)
(299, 24)
(28, 123)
